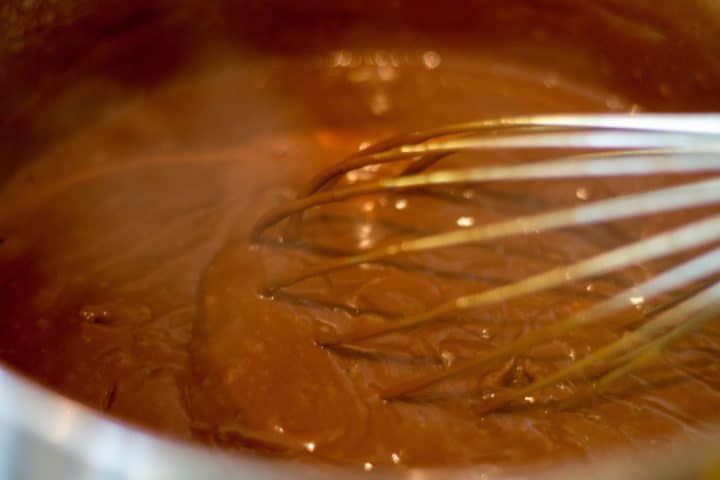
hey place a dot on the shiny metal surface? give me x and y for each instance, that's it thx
(44, 435)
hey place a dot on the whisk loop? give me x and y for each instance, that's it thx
(627, 146)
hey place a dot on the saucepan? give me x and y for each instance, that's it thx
(665, 54)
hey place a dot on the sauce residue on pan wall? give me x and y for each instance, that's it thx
(128, 283)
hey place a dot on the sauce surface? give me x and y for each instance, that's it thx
(129, 283)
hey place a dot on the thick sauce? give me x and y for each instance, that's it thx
(128, 282)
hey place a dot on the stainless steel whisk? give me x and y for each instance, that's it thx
(624, 145)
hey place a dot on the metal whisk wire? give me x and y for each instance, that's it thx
(627, 145)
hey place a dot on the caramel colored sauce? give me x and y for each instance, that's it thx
(128, 282)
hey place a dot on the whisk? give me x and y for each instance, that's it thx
(601, 146)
